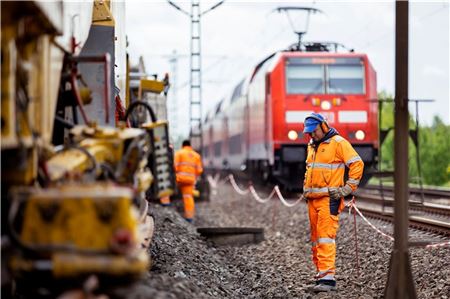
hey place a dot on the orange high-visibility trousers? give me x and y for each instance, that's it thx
(324, 223)
(188, 200)
(165, 200)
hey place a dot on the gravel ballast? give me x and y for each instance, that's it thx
(185, 265)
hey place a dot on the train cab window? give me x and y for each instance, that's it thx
(304, 78)
(347, 79)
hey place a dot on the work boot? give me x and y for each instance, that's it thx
(323, 285)
(188, 220)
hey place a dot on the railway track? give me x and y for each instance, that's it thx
(428, 193)
(424, 216)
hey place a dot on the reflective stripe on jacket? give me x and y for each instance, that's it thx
(325, 167)
(188, 165)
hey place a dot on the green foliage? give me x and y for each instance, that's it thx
(387, 123)
(434, 147)
(435, 152)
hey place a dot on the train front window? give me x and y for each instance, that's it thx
(348, 79)
(305, 79)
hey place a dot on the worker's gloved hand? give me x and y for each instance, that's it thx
(337, 193)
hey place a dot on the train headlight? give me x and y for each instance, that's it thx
(360, 135)
(292, 135)
(325, 105)
(336, 101)
(315, 101)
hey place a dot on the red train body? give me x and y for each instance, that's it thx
(258, 128)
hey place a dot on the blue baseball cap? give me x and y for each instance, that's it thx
(312, 121)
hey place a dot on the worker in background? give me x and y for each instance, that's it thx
(165, 201)
(324, 189)
(188, 167)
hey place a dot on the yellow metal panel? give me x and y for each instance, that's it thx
(154, 86)
(155, 124)
(101, 15)
(8, 110)
(44, 61)
(44, 82)
(78, 216)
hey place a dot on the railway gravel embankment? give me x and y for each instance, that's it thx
(185, 265)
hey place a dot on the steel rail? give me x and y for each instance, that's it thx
(415, 221)
(414, 205)
(428, 192)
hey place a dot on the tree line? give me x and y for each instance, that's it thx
(434, 147)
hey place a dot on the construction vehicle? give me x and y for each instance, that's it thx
(74, 190)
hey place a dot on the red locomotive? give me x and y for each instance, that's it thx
(258, 128)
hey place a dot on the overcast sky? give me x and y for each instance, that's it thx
(238, 34)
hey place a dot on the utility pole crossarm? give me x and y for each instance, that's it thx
(195, 97)
(179, 8)
(287, 8)
(213, 7)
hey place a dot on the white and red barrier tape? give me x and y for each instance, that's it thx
(351, 205)
(257, 197)
(284, 201)
(236, 187)
(431, 246)
(214, 182)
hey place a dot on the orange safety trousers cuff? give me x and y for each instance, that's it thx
(324, 226)
(165, 200)
(188, 200)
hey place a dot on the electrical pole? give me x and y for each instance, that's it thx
(195, 133)
(195, 97)
(400, 283)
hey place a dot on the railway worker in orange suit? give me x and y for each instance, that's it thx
(324, 189)
(188, 167)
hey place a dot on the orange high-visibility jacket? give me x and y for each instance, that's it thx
(325, 167)
(188, 165)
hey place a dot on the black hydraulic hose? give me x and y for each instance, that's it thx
(141, 103)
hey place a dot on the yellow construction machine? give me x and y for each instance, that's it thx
(74, 191)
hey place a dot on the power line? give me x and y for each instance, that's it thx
(383, 36)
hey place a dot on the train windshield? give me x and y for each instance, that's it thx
(305, 79)
(346, 79)
(325, 76)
